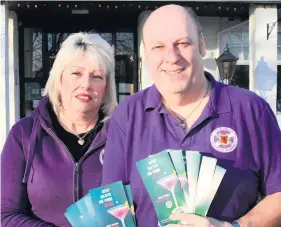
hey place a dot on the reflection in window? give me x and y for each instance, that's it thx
(125, 69)
(54, 41)
(107, 37)
(32, 96)
(239, 44)
(32, 53)
(235, 38)
(36, 54)
(125, 44)
(241, 76)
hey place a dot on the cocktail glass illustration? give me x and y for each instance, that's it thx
(119, 212)
(184, 186)
(183, 181)
(169, 183)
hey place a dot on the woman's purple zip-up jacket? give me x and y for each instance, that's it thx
(39, 177)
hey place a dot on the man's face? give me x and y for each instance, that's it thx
(172, 51)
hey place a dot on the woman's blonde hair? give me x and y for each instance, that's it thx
(99, 51)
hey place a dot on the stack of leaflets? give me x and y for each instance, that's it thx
(109, 205)
(81, 213)
(180, 181)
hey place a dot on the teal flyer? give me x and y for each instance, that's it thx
(73, 215)
(111, 206)
(193, 162)
(87, 212)
(130, 200)
(180, 167)
(161, 181)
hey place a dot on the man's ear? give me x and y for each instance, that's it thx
(143, 53)
(202, 46)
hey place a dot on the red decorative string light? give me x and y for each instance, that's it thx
(110, 6)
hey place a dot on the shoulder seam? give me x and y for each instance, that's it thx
(263, 112)
(112, 118)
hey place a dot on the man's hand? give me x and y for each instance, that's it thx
(197, 221)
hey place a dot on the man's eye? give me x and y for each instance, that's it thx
(157, 47)
(183, 44)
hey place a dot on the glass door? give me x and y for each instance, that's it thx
(125, 66)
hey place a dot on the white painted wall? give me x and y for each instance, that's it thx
(9, 73)
(14, 88)
(210, 27)
(263, 53)
(4, 75)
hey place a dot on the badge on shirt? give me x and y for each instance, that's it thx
(224, 139)
(101, 156)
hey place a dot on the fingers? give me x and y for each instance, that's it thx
(190, 220)
(178, 225)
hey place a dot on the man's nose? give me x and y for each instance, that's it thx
(172, 55)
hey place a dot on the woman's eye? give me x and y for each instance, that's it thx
(97, 77)
(76, 73)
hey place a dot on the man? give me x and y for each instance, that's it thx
(187, 109)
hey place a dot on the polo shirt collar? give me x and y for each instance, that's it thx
(219, 102)
(153, 99)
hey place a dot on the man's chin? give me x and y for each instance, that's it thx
(175, 91)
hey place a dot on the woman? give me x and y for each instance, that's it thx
(52, 158)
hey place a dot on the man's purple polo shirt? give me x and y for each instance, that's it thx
(237, 127)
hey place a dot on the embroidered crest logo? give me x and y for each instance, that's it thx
(101, 156)
(224, 139)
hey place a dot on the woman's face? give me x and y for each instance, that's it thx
(82, 86)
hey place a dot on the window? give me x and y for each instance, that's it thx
(241, 76)
(279, 45)
(239, 44)
(237, 38)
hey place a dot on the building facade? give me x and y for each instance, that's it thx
(31, 33)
